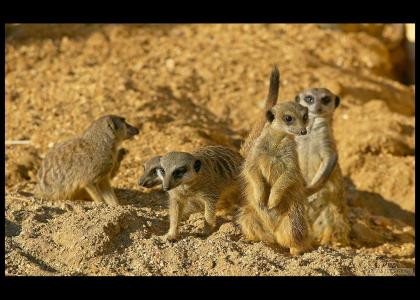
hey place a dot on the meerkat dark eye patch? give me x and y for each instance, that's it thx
(337, 101)
(287, 119)
(326, 100)
(153, 172)
(178, 173)
(197, 165)
(270, 116)
(309, 99)
(305, 117)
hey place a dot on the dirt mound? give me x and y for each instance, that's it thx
(186, 86)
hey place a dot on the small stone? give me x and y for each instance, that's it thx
(170, 64)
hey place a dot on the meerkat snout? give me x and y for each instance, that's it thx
(131, 130)
(303, 131)
(150, 177)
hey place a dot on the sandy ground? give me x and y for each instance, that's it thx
(186, 86)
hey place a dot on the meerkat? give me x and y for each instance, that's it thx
(271, 100)
(327, 211)
(206, 178)
(82, 194)
(86, 163)
(274, 209)
(150, 177)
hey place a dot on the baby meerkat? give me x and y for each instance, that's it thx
(274, 186)
(87, 162)
(150, 177)
(327, 211)
(207, 178)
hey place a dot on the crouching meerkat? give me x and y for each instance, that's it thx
(86, 163)
(206, 178)
(327, 211)
(150, 177)
(274, 208)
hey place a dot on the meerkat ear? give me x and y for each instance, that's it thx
(337, 101)
(270, 116)
(197, 165)
(297, 98)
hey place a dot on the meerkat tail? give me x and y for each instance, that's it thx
(273, 90)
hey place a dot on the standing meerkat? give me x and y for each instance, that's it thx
(207, 178)
(274, 186)
(86, 163)
(150, 177)
(327, 211)
(271, 100)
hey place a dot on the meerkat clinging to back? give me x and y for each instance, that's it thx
(274, 186)
(318, 157)
(86, 163)
(206, 178)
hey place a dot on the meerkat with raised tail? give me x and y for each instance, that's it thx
(327, 210)
(206, 178)
(150, 177)
(86, 163)
(271, 100)
(274, 209)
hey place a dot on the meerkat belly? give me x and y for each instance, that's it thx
(309, 157)
(271, 167)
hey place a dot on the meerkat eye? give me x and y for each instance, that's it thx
(325, 100)
(288, 119)
(309, 99)
(178, 173)
(153, 172)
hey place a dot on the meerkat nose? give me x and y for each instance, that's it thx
(303, 131)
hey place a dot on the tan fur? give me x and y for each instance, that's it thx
(327, 210)
(82, 194)
(274, 187)
(86, 163)
(214, 186)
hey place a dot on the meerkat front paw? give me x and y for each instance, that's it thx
(312, 198)
(272, 202)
